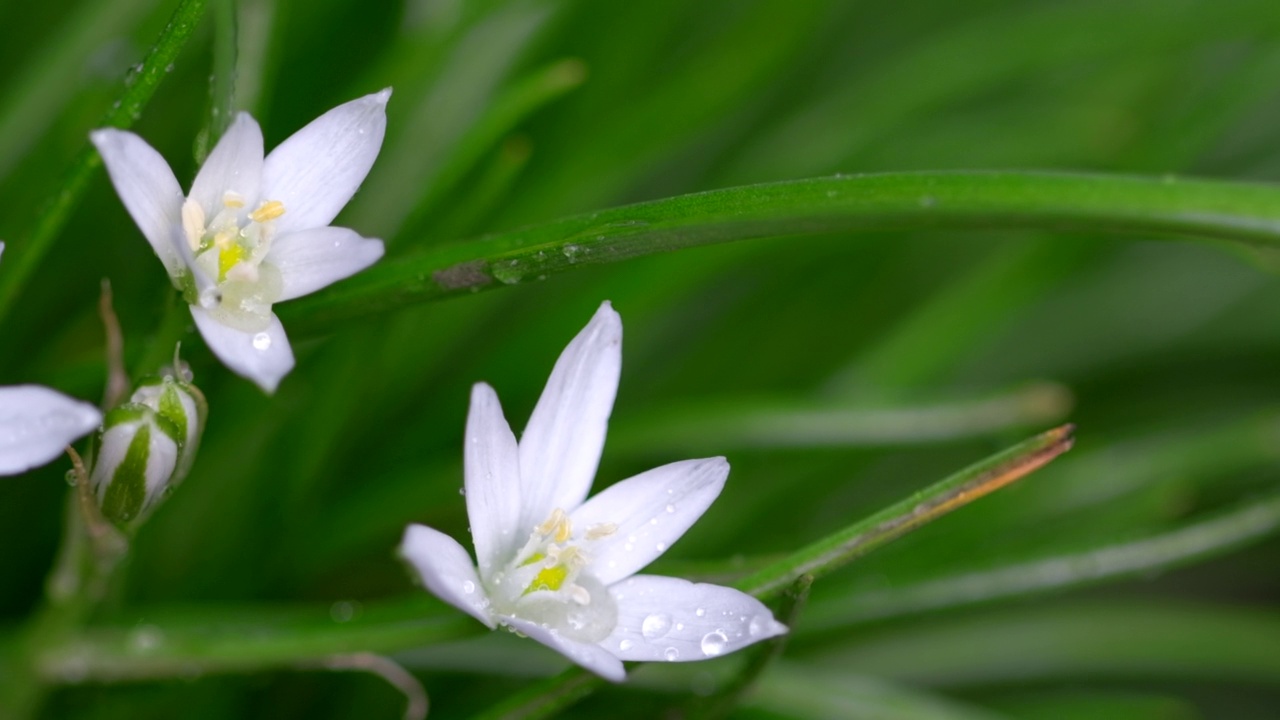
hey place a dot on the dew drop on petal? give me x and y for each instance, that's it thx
(468, 587)
(671, 654)
(655, 625)
(261, 341)
(756, 627)
(713, 643)
(671, 508)
(660, 547)
(625, 645)
(700, 612)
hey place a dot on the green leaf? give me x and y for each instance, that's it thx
(1189, 543)
(1151, 207)
(902, 517)
(140, 85)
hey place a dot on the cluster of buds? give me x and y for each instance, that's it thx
(145, 447)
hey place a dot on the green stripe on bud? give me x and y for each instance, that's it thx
(183, 405)
(135, 455)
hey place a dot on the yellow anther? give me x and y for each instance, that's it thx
(232, 199)
(269, 210)
(600, 530)
(557, 525)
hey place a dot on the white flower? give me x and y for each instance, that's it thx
(562, 570)
(254, 231)
(36, 423)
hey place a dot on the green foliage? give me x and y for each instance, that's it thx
(856, 247)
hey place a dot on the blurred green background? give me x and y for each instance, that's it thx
(1070, 595)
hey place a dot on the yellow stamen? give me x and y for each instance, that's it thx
(557, 524)
(269, 210)
(232, 199)
(192, 222)
(595, 532)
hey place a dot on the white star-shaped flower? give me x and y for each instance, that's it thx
(37, 423)
(254, 231)
(562, 569)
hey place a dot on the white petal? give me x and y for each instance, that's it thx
(147, 188)
(235, 165)
(446, 570)
(650, 511)
(492, 471)
(311, 259)
(561, 446)
(592, 657)
(317, 170)
(674, 620)
(1, 248)
(37, 423)
(264, 357)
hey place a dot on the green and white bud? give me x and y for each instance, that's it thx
(182, 404)
(146, 447)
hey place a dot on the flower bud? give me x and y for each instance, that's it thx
(145, 447)
(182, 404)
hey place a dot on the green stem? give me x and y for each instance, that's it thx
(901, 518)
(1155, 207)
(139, 87)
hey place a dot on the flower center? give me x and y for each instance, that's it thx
(548, 582)
(228, 252)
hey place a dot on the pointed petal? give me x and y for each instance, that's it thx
(264, 357)
(670, 619)
(147, 188)
(317, 170)
(650, 511)
(235, 165)
(311, 259)
(446, 570)
(561, 446)
(492, 471)
(592, 657)
(37, 423)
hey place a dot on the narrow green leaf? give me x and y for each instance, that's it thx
(1099, 640)
(168, 643)
(901, 518)
(545, 698)
(1184, 545)
(25, 256)
(755, 424)
(42, 88)
(805, 691)
(1155, 207)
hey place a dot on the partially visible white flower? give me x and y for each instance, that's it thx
(254, 231)
(561, 570)
(37, 423)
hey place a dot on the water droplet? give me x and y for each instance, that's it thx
(628, 547)
(625, 645)
(700, 612)
(671, 508)
(713, 643)
(671, 654)
(756, 627)
(462, 491)
(261, 341)
(679, 626)
(653, 521)
(468, 587)
(146, 638)
(660, 547)
(71, 478)
(343, 611)
(655, 625)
